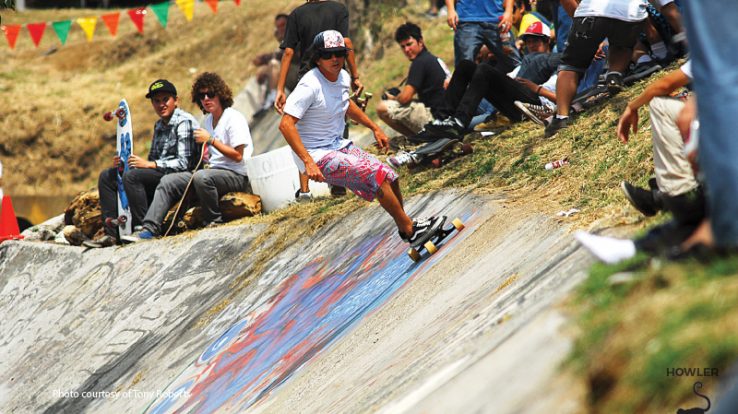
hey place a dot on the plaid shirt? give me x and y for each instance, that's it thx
(173, 147)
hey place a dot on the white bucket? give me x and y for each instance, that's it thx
(274, 177)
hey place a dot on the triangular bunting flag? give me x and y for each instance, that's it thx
(36, 30)
(213, 5)
(161, 11)
(111, 22)
(88, 26)
(187, 7)
(238, 2)
(11, 34)
(62, 29)
(137, 16)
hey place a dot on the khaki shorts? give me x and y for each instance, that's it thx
(413, 116)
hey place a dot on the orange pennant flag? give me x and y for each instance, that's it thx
(213, 5)
(111, 22)
(11, 34)
(36, 30)
(238, 2)
(137, 16)
(88, 26)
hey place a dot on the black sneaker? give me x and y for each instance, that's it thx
(614, 82)
(337, 191)
(555, 125)
(536, 113)
(641, 199)
(443, 128)
(423, 230)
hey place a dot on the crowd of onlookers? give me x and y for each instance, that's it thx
(514, 60)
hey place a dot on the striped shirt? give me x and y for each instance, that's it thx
(173, 147)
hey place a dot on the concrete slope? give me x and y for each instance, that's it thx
(342, 322)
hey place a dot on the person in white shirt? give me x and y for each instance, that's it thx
(620, 21)
(229, 145)
(313, 123)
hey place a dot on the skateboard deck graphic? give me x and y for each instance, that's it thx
(440, 152)
(124, 149)
(430, 243)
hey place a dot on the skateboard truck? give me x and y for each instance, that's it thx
(437, 237)
(119, 113)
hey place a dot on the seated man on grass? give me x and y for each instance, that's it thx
(426, 78)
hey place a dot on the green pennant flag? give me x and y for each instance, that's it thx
(62, 29)
(161, 11)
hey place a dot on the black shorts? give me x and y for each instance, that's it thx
(588, 32)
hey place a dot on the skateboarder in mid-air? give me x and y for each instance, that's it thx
(313, 124)
(173, 149)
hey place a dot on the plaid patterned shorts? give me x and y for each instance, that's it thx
(357, 170)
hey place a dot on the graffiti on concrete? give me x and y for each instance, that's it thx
(310, 310)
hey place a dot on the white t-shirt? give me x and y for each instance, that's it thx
(551, 86)
(625, 10)
(320, 105)
(232, 130)
(687, 69)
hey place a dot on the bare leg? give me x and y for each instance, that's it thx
(671, 12)
(304, 183)
(701, 235)
(383, 113)
(619, 58)
(396, 189)
(566, 88)
(393, 205)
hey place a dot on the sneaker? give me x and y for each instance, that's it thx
(641, 199)
(443, 128)
(536, 113)
(301, 197)
(402, 158)
(495, 121)
(138, 236)
(104, 241)
(555, 126)
(614, 82)
(423, 230)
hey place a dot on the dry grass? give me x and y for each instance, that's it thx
(55, 141)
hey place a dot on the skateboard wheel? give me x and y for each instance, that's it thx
(109, 222)
(458, 224)
(467, 149)
(122, 219)
(108, 116)
(431, 247)
(414, 255)
(120, 113)
(181, 225)
(436, 162)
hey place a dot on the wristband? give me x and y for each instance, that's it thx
(538, 91)
(211, 140)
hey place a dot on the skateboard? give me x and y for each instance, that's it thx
(124, 149)
(438, 152)
(430, 243)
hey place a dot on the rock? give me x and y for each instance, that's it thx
(84, 213)
(46, 230)
(74, 235)
(233, 206)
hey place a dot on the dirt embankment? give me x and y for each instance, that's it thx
(53, 97)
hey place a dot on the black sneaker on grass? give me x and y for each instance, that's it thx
(555, 126)
(423, 230)
(641, 199)
(442, 128)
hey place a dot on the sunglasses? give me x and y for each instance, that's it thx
(205, 95)
(337, 53)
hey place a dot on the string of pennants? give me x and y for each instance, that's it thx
(88, 24)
